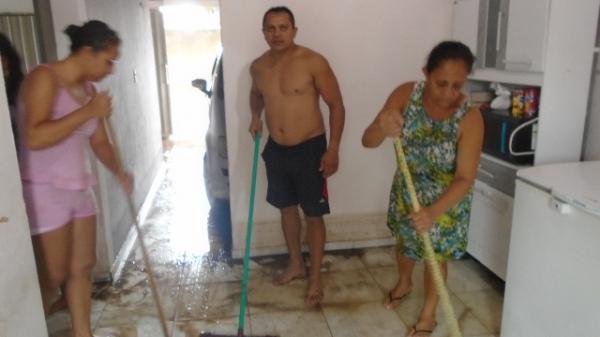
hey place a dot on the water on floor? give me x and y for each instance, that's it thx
(200, 287)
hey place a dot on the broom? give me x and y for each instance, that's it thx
(429, 253)
(244, 295)
(146, 258)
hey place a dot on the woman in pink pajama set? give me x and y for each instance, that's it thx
(61, 115)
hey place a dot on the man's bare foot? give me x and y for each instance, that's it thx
(314, 295)
(288, 275)
(396, 295)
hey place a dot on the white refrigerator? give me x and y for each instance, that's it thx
(553, 275)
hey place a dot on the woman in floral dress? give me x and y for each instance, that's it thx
(442, 137)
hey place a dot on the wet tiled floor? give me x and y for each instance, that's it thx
(200, 290)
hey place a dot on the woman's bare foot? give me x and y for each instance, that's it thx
(288, 275)
(58, 305)
(90, 334)
(396, 295)
(314, 295)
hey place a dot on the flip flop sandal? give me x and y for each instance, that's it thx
(391, 299)
(414, 332)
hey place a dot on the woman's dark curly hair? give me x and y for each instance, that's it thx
(14, 75)
(94, 33)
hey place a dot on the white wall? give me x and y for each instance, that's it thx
(16, 6)
(64, 13)
(372, 47)
(592, 136)
(136, 115)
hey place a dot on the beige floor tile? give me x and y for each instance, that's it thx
(468, 275)
(290, 324)
(387, 277)
(132, 304)
(363, 320)
(266, 297)
(350, 287)
(469, 324)
(209, 301)
(201, 271)
(346, 261)
(380, 257)
(140, 300)
(116, 317)
(140, 327)
(59, 323)
(486, 305)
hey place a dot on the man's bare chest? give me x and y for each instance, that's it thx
(288, 80)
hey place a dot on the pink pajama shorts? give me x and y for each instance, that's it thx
(49, 208)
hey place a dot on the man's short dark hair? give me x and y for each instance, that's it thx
(280, 9)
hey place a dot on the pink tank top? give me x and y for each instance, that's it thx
(65, 164)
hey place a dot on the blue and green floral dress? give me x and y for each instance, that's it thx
(430, 147)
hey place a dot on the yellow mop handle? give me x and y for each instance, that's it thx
(434, 267)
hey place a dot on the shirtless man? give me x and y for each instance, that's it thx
(287, 82)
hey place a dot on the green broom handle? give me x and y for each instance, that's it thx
(429, 252)
(244, 295)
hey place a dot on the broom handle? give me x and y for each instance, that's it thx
(429, 252)
(244, 295)
(151, 278)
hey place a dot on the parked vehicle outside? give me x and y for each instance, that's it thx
(216, 165)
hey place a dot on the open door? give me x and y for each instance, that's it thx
(21, 312)
(160, 51)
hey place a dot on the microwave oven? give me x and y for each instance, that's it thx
(509, 138)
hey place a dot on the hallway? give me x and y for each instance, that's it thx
(201, 292)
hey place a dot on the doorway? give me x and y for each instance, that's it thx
(192, 41)
(190, 53)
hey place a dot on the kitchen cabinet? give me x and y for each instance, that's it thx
(504, 34)
(523, 34)
(554, 256)
(567, 56)
(489, 228)
(465, 24)
(475, 23)
(491, 213)
(567, 77)
(565, 85)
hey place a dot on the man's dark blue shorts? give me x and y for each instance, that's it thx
(293, 175)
